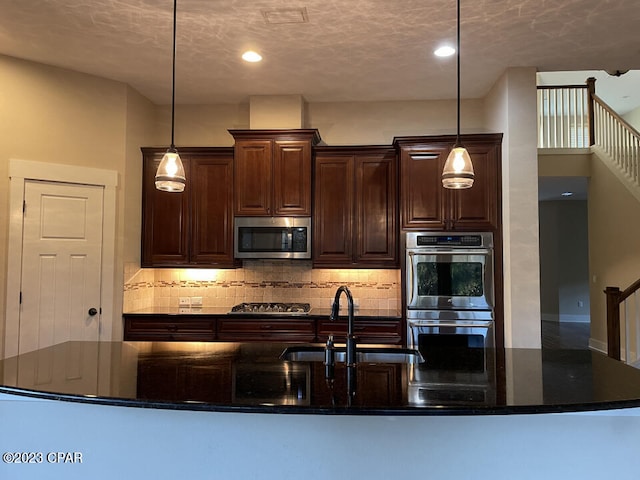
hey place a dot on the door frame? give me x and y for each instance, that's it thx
(21, 171)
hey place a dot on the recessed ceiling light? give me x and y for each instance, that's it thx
(566, 194)
(251, 56)
(445, 51)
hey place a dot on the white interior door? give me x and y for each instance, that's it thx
(61, 261)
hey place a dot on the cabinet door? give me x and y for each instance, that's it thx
(211, 210)
(375, 202)
(476, 208)
(253, 172)
(165, 219)
(422, 198)
(292, 178)
(333, 210)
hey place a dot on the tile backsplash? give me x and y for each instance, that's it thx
(259, 281)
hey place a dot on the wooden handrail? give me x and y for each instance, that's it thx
(618, 118)
(630, 290)
(614, 298)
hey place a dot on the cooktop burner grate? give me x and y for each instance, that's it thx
(280, 308)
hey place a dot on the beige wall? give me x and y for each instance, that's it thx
(614, 253)
(633, 117)
(377, 123)
(511, 108)
(58, 116)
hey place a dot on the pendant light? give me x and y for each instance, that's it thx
(458, 169)
(170, 175)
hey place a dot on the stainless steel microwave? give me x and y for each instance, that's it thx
(272, 237)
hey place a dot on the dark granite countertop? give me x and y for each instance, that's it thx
(224, 312)
(250, 377)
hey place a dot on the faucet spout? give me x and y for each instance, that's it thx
(351, 338)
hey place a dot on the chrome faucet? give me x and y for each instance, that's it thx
(351, 339)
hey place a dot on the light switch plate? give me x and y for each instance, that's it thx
(196, 301)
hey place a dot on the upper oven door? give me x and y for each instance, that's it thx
(447, 278)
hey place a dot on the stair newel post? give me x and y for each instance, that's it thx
(591, 89)
(613, 322)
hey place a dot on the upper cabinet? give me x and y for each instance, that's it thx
(355, 207)
(194, 227)
(272, 172)
(426, 205)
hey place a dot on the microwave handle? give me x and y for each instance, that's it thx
(289, 240)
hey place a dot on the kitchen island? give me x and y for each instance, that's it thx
(239, 410)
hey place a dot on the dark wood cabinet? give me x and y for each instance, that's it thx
(382, 330)
(355, 207)
(164, 328)
(426, 205)
(376, 385)
(273, 172)
(274, 330)
(194, 227)
(227, 328)
(196, 378)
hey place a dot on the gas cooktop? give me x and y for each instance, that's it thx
(279, 308)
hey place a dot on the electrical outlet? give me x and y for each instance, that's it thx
(196, 301)
(185, 302)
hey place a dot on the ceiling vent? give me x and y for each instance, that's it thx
(280, 16)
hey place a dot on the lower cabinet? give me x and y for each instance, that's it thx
(277, 330)
(169, 328)
(384, 330)
(203, 328)
(188, 378)
(376, 385)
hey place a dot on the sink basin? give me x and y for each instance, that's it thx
(311, 353)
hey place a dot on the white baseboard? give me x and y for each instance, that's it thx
(598, 346)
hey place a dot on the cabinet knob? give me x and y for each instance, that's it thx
(92, 311)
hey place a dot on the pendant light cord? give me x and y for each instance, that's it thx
(173, 76)
(458, 71)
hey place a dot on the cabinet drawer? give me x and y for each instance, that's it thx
(282, 330)
(387, 331)
(157, 329)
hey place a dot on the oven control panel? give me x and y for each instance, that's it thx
(419, 240)
(449, 240)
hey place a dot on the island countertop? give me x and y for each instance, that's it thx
(251, 377)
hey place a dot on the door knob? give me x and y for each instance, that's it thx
(92, 311)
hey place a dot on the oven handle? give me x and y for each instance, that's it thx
(410, 284)
(440, 323)
(448, 251)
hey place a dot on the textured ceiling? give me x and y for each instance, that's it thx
(344, 50)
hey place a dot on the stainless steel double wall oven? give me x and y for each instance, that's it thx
(450, 314)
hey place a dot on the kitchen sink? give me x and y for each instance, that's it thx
(314, 353)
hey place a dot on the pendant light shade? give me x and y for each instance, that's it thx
(458, 169)
(170, 174)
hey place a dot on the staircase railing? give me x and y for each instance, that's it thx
(564, 116)
(617, 138)
(573, 116)
(627, 317)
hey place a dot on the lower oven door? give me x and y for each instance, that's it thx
(453, 340)
(459, 353)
